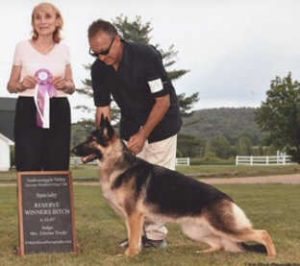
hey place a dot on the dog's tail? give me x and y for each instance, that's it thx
(257, 248)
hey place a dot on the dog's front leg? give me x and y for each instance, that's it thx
(135, 223)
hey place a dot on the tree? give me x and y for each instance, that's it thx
(279, 115)
(244, 146)
(209, 154)
(221, 147)
(189, 146)
(139, 31)
(186, 103)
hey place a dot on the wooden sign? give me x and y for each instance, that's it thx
(46, 212)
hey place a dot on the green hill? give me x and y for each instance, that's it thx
(230, 122)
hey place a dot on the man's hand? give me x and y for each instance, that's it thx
(137, 141)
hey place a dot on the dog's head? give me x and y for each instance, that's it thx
(98, 140)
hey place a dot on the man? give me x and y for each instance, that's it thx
(134, 75)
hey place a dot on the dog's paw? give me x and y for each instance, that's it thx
(130, 252)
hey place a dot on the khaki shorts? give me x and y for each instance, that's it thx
(161, 152)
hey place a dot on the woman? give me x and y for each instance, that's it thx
(42, 76)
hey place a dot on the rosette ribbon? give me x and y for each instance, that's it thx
(45, 90)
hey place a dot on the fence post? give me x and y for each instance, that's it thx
(251, 160)
(236, 160)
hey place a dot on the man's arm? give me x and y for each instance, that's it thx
(159, 86)
(101, 94)
(159, 109)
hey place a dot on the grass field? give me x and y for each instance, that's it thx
(91, 172)
(273, 207)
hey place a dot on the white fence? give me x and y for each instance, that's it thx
(183, 161)
(281, 159)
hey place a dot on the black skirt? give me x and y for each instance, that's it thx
(42, 149)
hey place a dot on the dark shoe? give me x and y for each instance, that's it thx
(147, 243)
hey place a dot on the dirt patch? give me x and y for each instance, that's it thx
(275, 179)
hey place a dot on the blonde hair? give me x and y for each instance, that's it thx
(46, 6)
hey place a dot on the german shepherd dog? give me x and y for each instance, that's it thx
(138, 189)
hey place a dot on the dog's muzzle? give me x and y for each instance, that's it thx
(87, 154)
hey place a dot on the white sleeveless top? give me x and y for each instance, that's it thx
(32, 60)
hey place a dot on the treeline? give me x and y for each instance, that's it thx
(222, 133)
(209, 134)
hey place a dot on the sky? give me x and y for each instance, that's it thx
(232, 48)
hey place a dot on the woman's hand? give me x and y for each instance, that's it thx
(15, 84)
(62, 84)
(28, 82)
(59, 83)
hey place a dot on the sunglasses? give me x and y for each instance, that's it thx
(104, 52)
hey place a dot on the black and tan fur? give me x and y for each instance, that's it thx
(138, 189)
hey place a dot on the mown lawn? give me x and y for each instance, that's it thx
(273, 207)
(91, 172)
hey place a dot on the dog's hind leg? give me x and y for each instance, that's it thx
(231, 246)
(232, 223)
(201, 232)
(259, 236)
(134, 225)
(213, 242)
(245, 231)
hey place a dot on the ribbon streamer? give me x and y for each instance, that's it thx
(45, 90)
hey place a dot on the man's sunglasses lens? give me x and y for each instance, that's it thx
(105, 52)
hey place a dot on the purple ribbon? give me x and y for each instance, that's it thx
(45, 91)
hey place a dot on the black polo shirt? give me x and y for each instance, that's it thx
(141, 78)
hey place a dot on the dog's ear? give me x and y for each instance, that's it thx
(102, 121)
(106, 129)
(109, 130)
